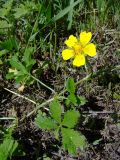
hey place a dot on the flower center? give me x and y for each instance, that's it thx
(78, 49)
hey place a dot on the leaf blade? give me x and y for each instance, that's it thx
(70, 118)
(55, 109)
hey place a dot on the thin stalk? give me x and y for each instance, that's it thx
(43, 84)
(7, 118)
(19, 95)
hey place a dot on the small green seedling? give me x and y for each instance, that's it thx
(62, 125)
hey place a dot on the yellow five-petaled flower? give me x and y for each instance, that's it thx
(79, 48)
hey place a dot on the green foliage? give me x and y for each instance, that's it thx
(66, 10)
(25, 8)
(28, 27)
(72, 98)
(70, 118)
(7, 148)
(44, 122)
(56, 111)
(71, 139)
(4, 24)
(9, 44)
(21, 71)
(6, 7)
(81, 100)
(70, 86)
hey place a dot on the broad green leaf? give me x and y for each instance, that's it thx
(6, 8)
(70, 118)
(44, 122)
(18, 65)
(26, 8)
(70, 86)
(27, 58)
(4, 24)
(72, 140)
(8, 4)
(3, 52)
(10, 75)
(21, 78)
(55, 110)
(9, 44)
(21, 11)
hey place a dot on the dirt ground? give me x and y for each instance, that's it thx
(100, 116)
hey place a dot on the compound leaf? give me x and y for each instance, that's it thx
(72, 140)
(55, 109)
(70, 86)
(7, 148)
(44, 122)
(70, 118)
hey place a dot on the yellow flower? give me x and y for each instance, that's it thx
(78, 49)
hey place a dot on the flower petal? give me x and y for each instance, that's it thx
(90, 50)
(67, 54)
(79, 60)
(85, 37)
(71, 41)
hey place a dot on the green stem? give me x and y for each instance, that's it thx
(43, 84)
(32, 31)
(37, 108)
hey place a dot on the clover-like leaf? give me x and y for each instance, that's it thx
(72, 140)
(72, 98)
(55, 109)
(7, 148)
(44, 122)
(70, 86)
(70, 118)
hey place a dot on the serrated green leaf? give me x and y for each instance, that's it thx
(6, 8)
(27, 58)
(21, 78)
(70, 118)
(4, 24)
(7, 148)
(55, 110)
(9, 75)
(70, 86)
(18, 65)
(21, 11)
(72, 98)
(72, 140)
(44, 122)
(25, 8)
(81, 100)
(3, 52)
(9, 44)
